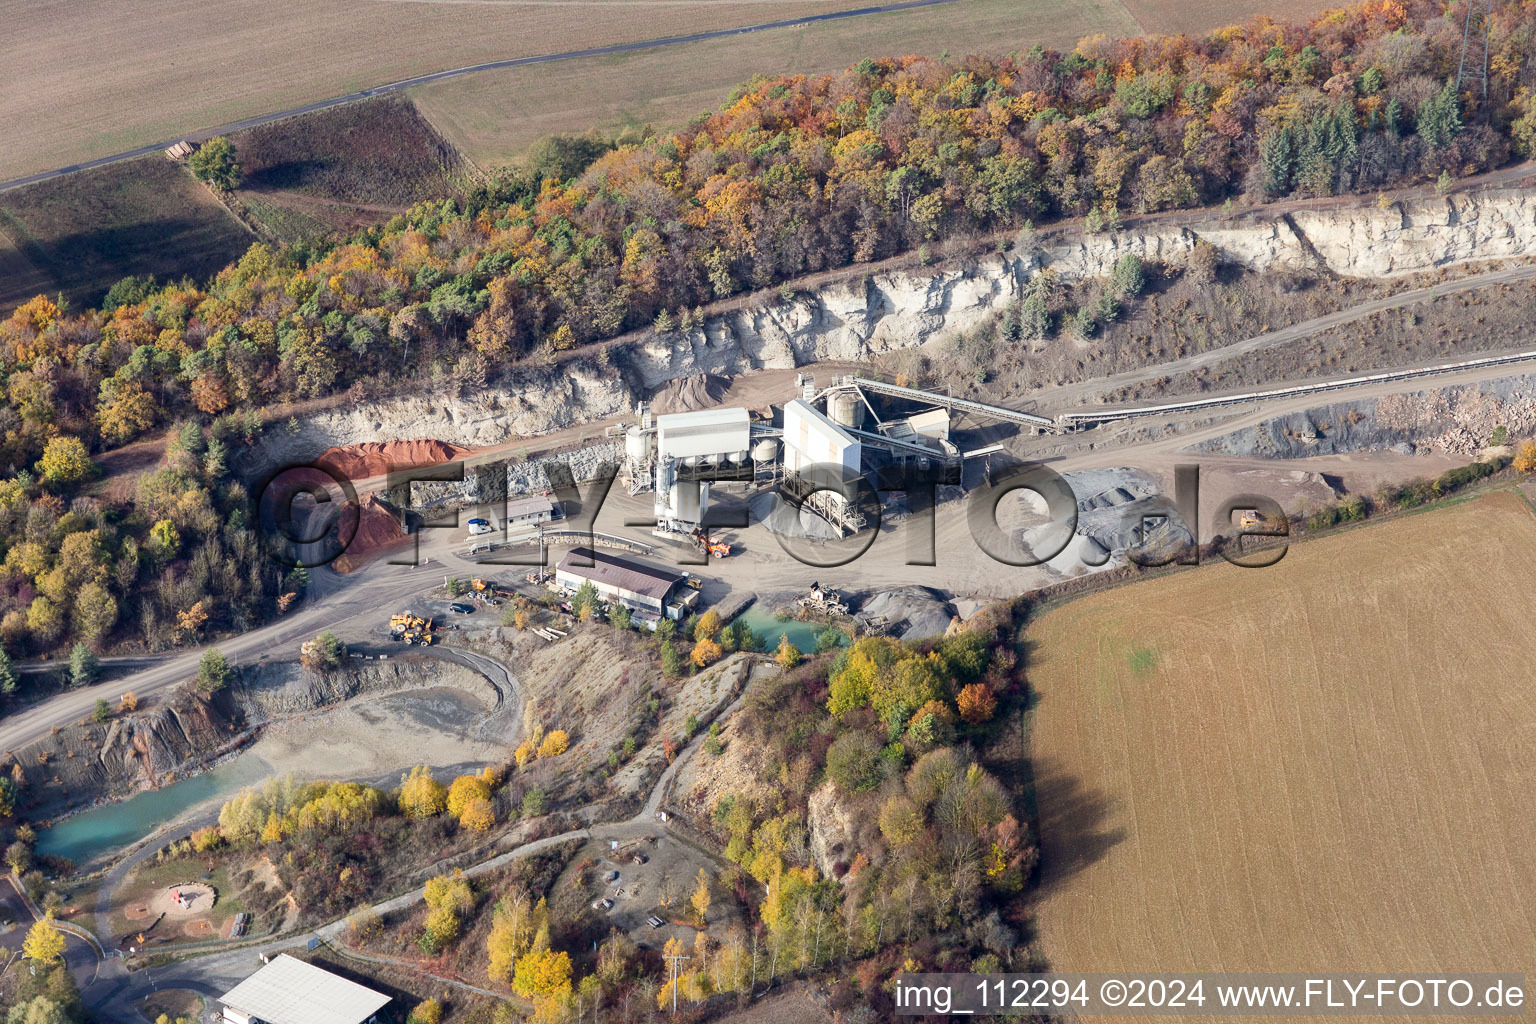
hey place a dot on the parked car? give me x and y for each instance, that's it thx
(462, 608)
(479, 526)
(603, 904)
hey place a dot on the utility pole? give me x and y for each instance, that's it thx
(675, 958)
(1473, 70)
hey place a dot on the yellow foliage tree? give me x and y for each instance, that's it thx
(478, 815)
(443, 925)
(700, 898)
(555, 743)
(706, 652)
(787, 655)
(272, 832)
(464, 789)
(44, 943)
(543, 974)
(449, 891)
(512, 930)
(1525, 457)
(421, 796)
(129, 703)
(525, 752)
(708, 626)
(428, 1012)
(65, 461)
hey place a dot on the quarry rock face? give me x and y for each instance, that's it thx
(856, 319)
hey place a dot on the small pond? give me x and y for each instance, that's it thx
(113, 826)
(766, 625)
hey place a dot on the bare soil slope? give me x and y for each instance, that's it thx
(1328, 764)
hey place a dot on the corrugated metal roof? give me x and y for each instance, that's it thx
(290, 991)
(625, 573)
(530, 506)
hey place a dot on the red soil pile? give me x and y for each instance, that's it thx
(376, 458)
(377, 531)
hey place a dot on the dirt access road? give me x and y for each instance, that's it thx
(1071, 397)
(117, 992)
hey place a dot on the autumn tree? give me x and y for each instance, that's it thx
(464, 789)
(555, 743)
(976, 703)
(543, 975)
(708, 626)
(478, 816)
(1525, 457)
(787, 654)
(706, 652)
(95, 612)
(44, 943)
(700, 898)
(428, 1011)
(214, 163)
(129, 703)
(65, 462)
(421, 795)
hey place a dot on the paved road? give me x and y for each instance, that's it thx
(494, 65)
(348, 605)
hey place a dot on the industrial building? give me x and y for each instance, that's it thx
(290, 991)
(649, 590)
(526, 513)
(841, 427)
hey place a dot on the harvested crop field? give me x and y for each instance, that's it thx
(175, 67)
(496, 116)
(88, 230)
(1169, 16)
(1327, 765)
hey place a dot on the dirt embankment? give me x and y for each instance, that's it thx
(378, 529)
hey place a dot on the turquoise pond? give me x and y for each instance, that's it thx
(114, 826)
(766, 624)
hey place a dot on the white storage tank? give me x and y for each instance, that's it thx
(766, 450)
(637, 445)
(846, 409)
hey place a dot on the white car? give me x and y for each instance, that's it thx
(479, 526)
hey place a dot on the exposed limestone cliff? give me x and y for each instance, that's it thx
(858, 318)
